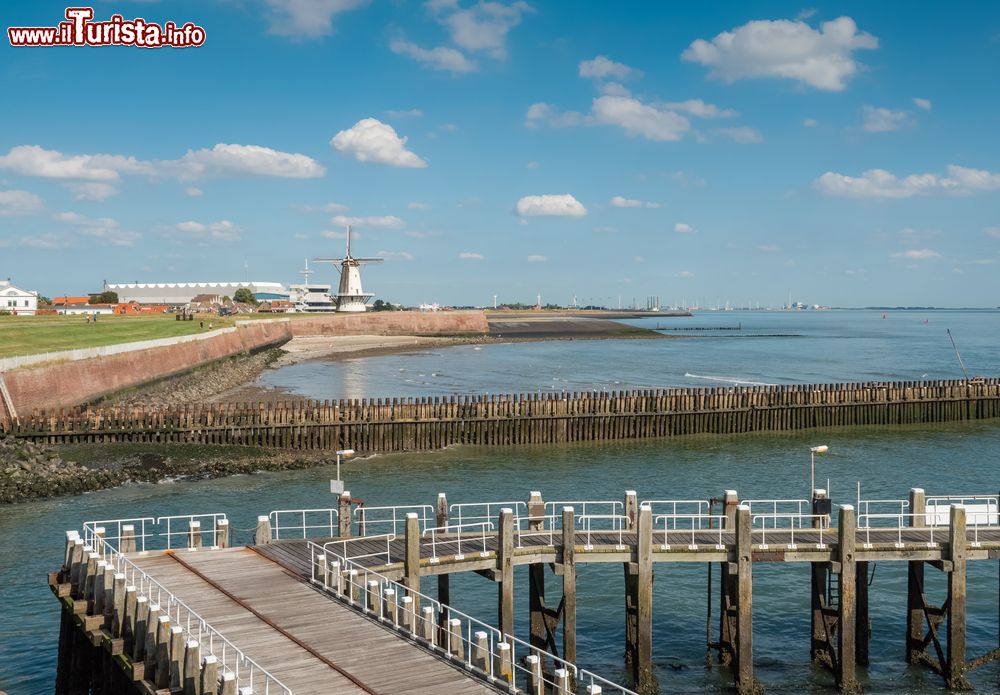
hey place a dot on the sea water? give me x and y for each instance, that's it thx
(787, 348)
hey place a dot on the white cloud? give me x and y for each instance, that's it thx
(380, 221)
(483, 27)
(223, 230)
(439, 58)
(741, 135)
(810, 122)
(623, 202)
(470, 256)
(194, 192)
(370, 140)
(541, 113)
(408, 113)
(534, 258)
(306, 19)
(418, 206)
(105, 230)
(32, 160)
(685, 274)
(822, 58)
(882, 120)
(917, 254)
(924, 104)
(253, 160)
(992, 231)
(340, 234)
(92, 190)
(769, 248)
(603, 67)
(879, 183)
(683, 228)
(615, 89)
(638, 118)
(697, 107)
(564, 205)
(401, 255)
(14, 203)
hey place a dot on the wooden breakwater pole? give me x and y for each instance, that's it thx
(386, 425)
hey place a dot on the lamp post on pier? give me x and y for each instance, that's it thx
(813, 450)
(337, 486)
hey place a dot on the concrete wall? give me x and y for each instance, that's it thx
(392, 323)
(79, 381)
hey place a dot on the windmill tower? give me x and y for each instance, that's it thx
(350, 296)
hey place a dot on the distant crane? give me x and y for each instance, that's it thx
(350, 296)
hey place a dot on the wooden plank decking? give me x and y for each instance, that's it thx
(374, 656)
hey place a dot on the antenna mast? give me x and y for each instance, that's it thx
(958, 355)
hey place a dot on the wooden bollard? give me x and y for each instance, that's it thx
(594, 689)
(191, 675)
(194, 534)
(536, 511)
(319, 569)
(149, 650)
(536, 684)
(406, 613)
(176, 666)
(344, 514)
(503, 666)
(262, 535)
(371, 596)
(480, 651)
(102, 569)
(100, 533)
(505, 568)
(560, 678)
(631, 509)
(411, 560)
(351, 586)
(107, 593)
(118, 605)
(227, 685)
(389, 605)
(427, 624)
(90, 578)
(128, 618)
(209, 681)
(334, 577)
(127, 542)
(140, 628)
(75, 560)
(845, 669)
(163, 652)
(80, 570)
(455, 644)
(222, 533)
(71, 538)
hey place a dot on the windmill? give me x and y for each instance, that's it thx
(350, 296)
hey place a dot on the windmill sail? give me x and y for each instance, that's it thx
(350, 296)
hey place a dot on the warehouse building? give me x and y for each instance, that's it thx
(181, 293)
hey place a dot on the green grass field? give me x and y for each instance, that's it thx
(30, 335)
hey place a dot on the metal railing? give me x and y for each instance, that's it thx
(502, 660)
(172, 523)
(903, 522)
(394, 517)
(586, 507)
(309, 520)
(674, 507)
(112, 532)
(865, 507)
(980, 510)
(775, 507)
(616, 523)
(146, 530)
(685, 524)
(484, 511)
(247, 672)
(454, 534)
(345, 543)
(791, 523)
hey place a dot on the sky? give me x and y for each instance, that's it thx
(843, 154)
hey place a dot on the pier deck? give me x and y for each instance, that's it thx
(310, 643)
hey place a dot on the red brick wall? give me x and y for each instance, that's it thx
(70, 383)
(392, 323)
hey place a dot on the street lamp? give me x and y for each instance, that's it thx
(337, 486)
(813, 450)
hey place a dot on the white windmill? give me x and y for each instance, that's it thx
(350, 296)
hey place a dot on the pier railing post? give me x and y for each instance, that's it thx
(569, 585)
(957, 553)
(915, 647)
(538, 635)
(411, 561)
(643, 663)
(262, 535)
(746, 684)
(443, 580)
(846, 536)
(222, 533)
(344, 514)
(727, 588)
(505, 568)
(820, 643)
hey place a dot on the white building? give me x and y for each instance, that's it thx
(17, 301)
(181, 293)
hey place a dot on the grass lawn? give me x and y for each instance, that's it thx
(29, 335)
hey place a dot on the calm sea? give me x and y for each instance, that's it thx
(770, 348)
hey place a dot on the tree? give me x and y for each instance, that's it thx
(244, 296)
(106, 297)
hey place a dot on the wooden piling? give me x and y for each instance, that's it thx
(569, 584)
(262, 534)
(746, 683)
(209, 677)
(411, 560)
(344, 514)
(845, 672)
(915, 647)
(221, 539)
(505, 571)
(954, 674)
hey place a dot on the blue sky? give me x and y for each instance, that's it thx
(846, 153)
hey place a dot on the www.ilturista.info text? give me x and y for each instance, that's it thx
(81, 30)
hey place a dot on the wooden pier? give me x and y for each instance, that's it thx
(337, 600)
(419, 424)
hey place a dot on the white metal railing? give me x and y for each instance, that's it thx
(327, 520)
(614, 523)
(674, 507)
(247, 672)
(185, 521)
(586, 507)
(112, 532)
(393, 517)
(473, 533)
(346, 543)
(867, 507)
(484, 511)
(549, 525)
(903, 522)
(146, 531)
(687, 526)
(980, 510)
(775, 507)
(500, 659)
(791, 523)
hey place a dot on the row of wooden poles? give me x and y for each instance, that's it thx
(840, 623)
(408, 424)
(114, 640)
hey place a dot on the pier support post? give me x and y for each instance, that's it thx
(411, 561)
(344, 514)
(915, 647)
(846, 673)
(642, 664)
(443, 580)
(505, 568)
(139, 630)
(192, 665)
(209, 679)
(822, 637)
(746, 684)
(480, 651)
(149, 650)
(221, 539)
(631, 509)
(127, 542)
(569, 585)
(727, 588)
(262, 535)
(176, 656)
(862, 620)
(163, 652)
(536, 605)
(194, 534)
(954, 674)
